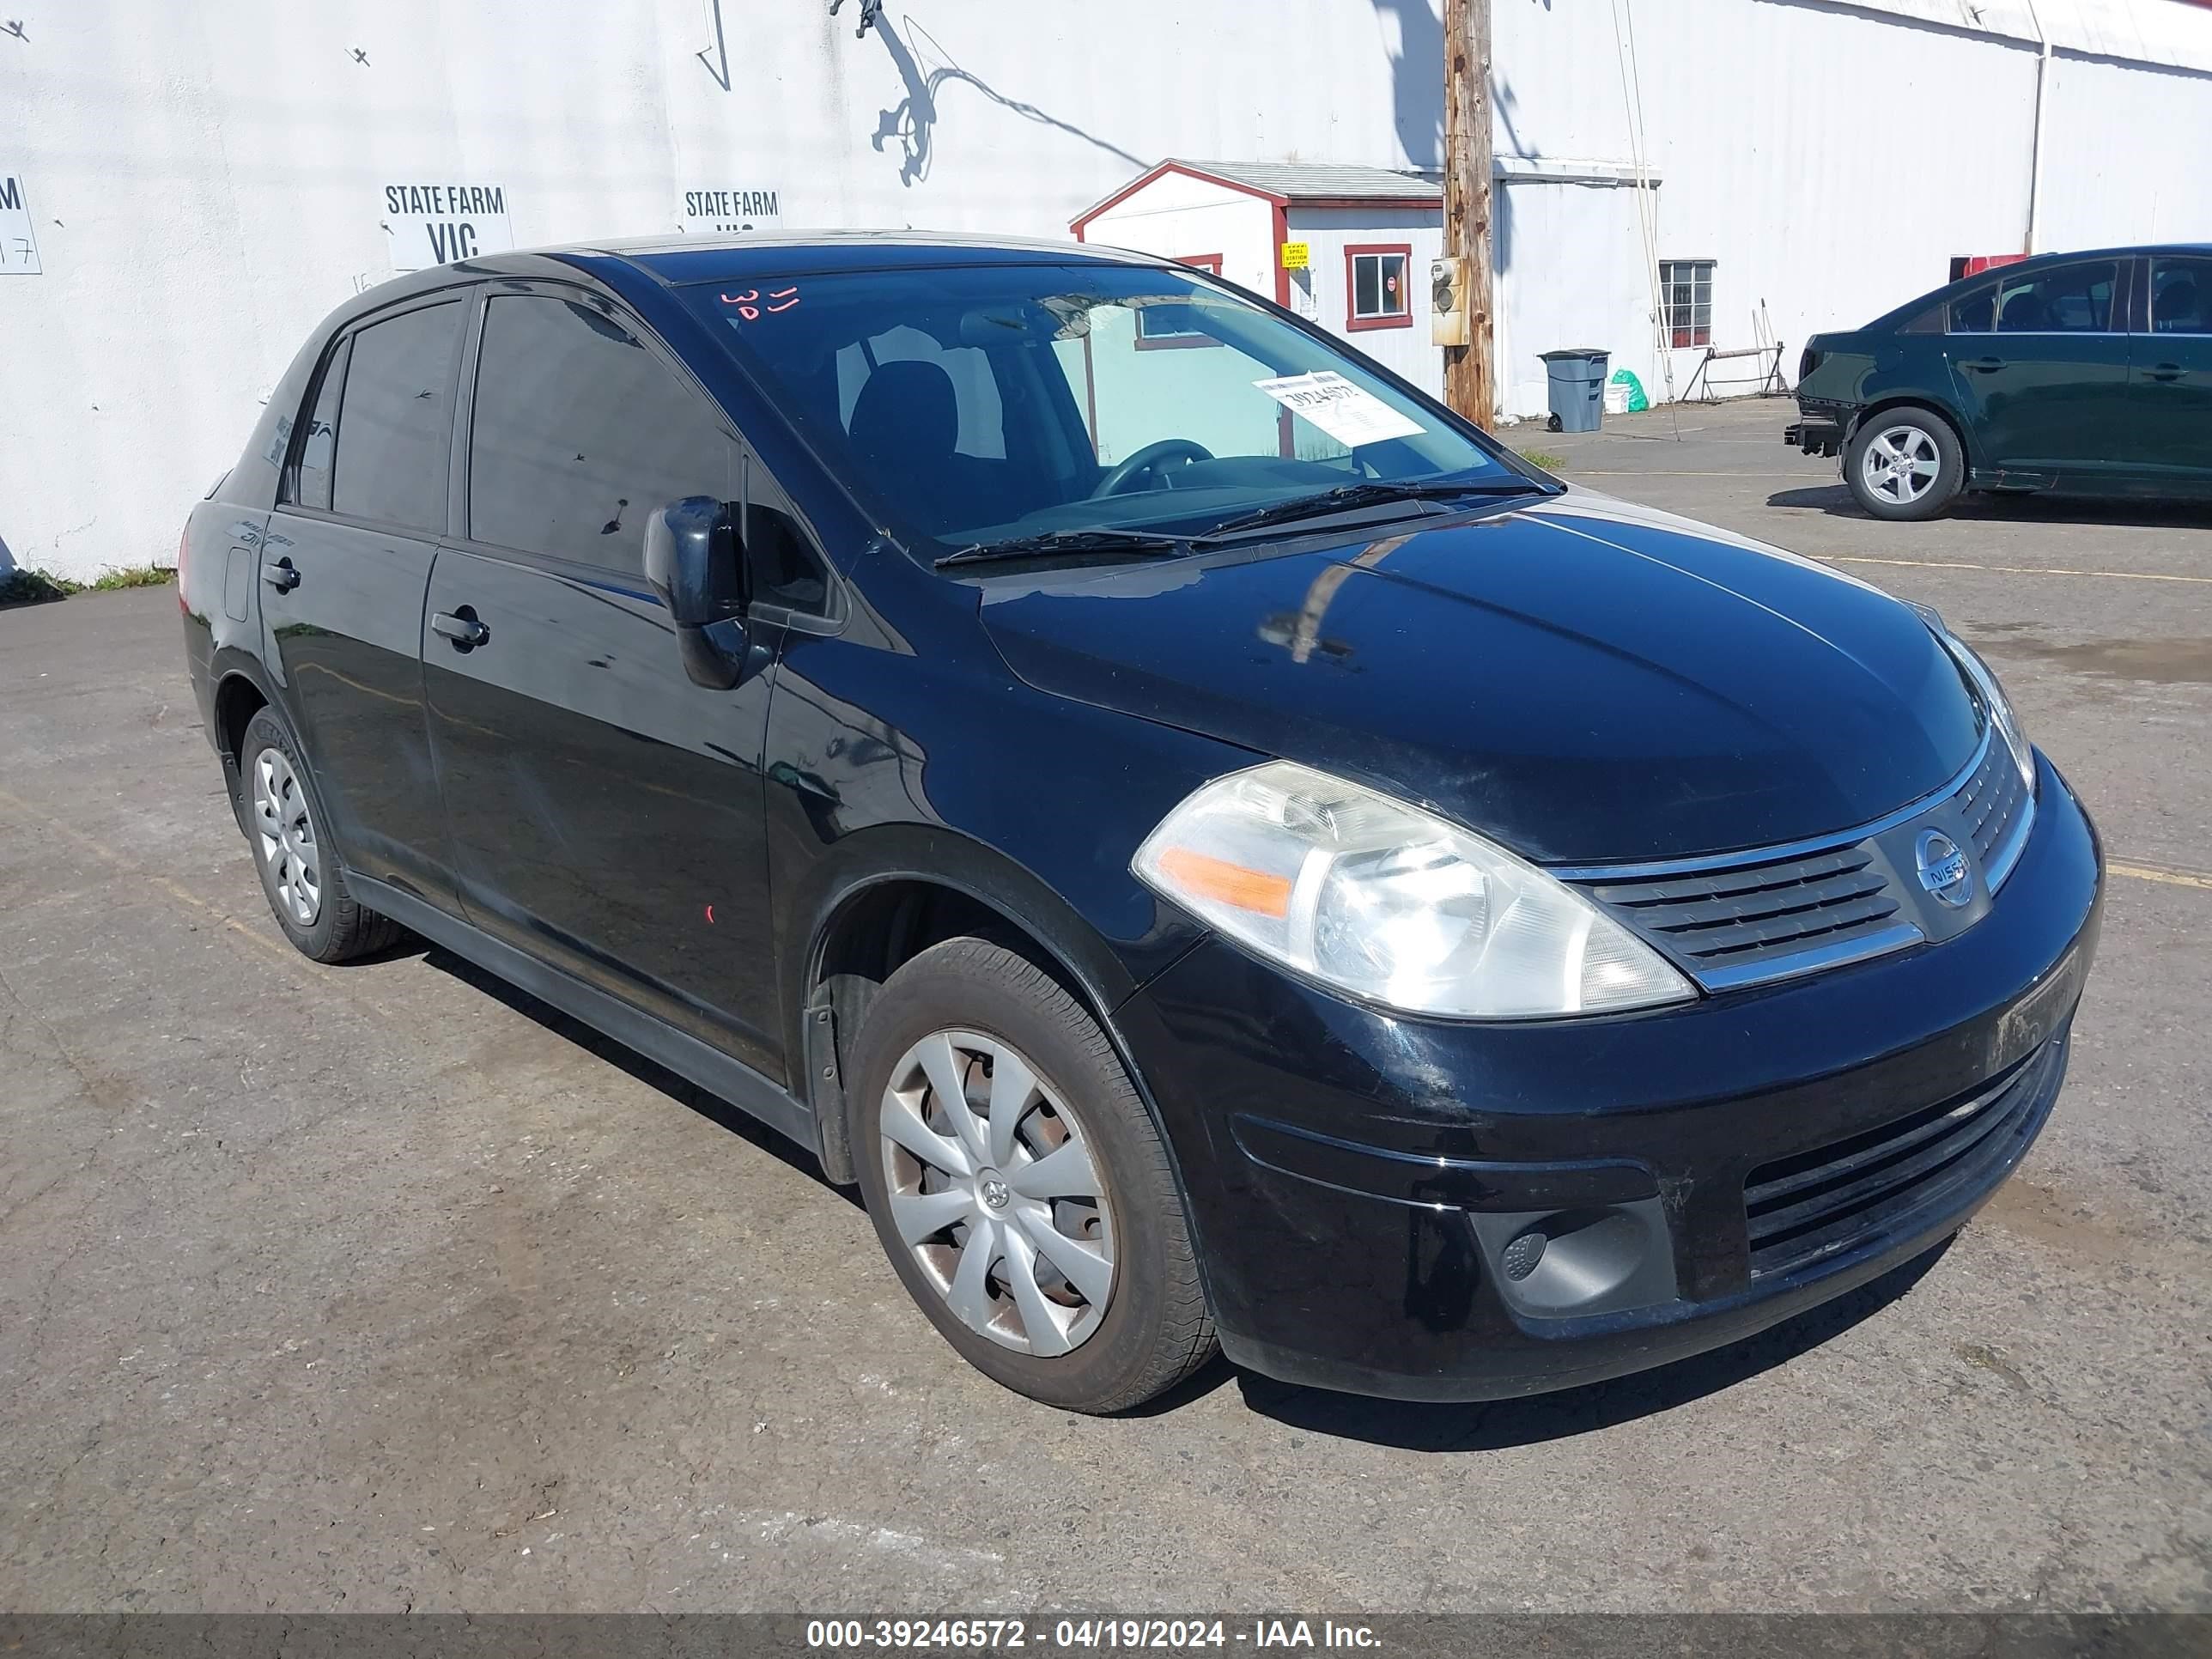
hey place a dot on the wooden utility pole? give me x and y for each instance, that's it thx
(1470, 378)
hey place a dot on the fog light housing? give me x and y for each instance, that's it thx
(1559, 1264)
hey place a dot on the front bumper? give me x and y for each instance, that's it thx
(1428, 1210)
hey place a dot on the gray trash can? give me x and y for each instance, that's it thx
(1578, 387)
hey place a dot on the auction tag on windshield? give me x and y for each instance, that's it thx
(1350, 413)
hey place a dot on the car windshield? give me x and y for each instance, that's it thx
(975, 405)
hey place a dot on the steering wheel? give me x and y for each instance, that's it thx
(1117, 477)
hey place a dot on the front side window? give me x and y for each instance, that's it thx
(396, 414)
(580, 433)
(2180, 295)
(975, 404)
(1377, 286)
(1686, 290)
(2071, 299)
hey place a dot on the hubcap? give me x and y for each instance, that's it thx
(1901, 463)
(994, 1187)
(285, 833)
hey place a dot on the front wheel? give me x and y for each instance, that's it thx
(1019, 1185)
(1904, 463)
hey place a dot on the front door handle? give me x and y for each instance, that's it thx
(2167, 372)
(1983, 365)
(461, 627)
(280, 575)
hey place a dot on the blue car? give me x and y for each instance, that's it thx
(2080, 374)
(1225, 856)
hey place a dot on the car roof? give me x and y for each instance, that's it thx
(1920, 302)
(678, 259)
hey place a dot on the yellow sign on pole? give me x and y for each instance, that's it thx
(1297, 255)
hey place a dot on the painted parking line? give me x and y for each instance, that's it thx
(2172, 878)
(2016, 570)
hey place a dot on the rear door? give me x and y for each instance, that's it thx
(606, 811)
(2041, 365)
(2170, 388)
(343, 572)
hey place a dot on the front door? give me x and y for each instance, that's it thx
(2041, 365)
(2170, 387)
(343, 569)
(606, 811)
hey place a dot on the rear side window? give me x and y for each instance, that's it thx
(580, 433)
(2072, 299)
(2180, 296)
(319, 447)
(397, 417)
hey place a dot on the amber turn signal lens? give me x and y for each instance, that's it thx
(1227, 883)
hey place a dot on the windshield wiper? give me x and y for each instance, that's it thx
(1053, 544)
(1375, 493)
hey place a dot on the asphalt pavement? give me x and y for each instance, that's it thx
(384, 1287)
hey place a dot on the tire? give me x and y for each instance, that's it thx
(301, 874)
(989, 1008)
(1904, 464)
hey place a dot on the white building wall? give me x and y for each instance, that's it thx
(2150, 181)
(204, 180)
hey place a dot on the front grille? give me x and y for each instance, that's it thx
(1816, 1203)
(1733, 926)
(1996, 806)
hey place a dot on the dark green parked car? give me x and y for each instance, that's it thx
(2086, 374)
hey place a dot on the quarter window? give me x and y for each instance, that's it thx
(1375, 286)
(2072, 299)
(319, 447)
(1972, 313)
(580, 434)
(396, 413)
(2180, 296)
(1686, 290)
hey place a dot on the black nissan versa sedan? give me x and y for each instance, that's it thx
(1218, 849)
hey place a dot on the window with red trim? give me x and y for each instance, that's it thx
(1169, 325)
(1378, 285)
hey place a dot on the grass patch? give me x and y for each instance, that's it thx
(131, 575)
(39, 586)
(1545, 458)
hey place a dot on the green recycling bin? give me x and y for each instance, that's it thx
(1578, 387)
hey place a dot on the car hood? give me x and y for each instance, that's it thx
(1584, 680)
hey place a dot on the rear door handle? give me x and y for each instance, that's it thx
(1983, 365)
(2167, 372)
(461, 627)
(281, 576)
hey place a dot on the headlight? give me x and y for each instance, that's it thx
(1389, 903)
(1985, 681)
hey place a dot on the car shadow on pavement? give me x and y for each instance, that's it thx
(1499, 1424)
(1835, 500)
(682, 1090)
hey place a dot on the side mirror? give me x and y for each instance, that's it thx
(691, 559)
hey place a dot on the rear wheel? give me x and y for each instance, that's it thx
(301, 873)
(1904, 463)
(1018, 1185)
